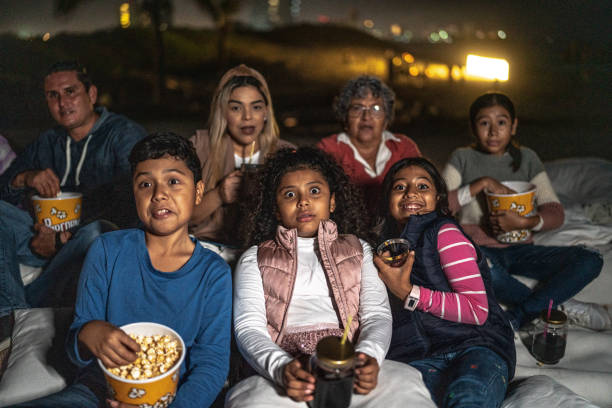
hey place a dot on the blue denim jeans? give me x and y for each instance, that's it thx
(562, 272)
(474, 377)
(16, 232)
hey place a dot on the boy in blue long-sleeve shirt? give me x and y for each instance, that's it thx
(158, 274)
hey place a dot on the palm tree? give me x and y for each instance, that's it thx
(159, 12)
(223, 13)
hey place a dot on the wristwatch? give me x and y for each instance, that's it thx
(412, 300)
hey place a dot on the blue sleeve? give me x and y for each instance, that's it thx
(91, 297)
(27, 160)
(209, 357)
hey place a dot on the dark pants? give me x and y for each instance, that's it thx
(562, 272)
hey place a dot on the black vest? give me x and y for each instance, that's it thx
(418, 335)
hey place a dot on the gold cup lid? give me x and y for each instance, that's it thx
(556, 317)
(333, 354)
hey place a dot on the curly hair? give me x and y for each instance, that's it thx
(386, 224)
(360, 87)
(262, 221)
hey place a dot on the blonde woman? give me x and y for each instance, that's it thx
(241, 132)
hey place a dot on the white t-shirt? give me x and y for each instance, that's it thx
(311, 307)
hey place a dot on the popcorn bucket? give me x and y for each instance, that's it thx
(158, 391)
(522, 202)
(60, 213)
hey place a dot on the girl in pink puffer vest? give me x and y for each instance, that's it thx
(302, 279)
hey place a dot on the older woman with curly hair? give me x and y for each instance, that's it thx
(366, 149)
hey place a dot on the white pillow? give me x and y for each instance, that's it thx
(542, 391)
(37, 357)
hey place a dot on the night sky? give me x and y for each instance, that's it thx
(556, 20)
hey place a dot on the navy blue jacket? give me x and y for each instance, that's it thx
(104, 177)
(418, 335)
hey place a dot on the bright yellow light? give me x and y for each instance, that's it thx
(46, 37)
(396, 29)
(368, 23)
(456, 73)
(437, 71)
(414, 71)
(487, 68)
(397, 61)
(124, 15)
(408, 57)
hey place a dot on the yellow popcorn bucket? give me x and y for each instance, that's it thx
(522, 202)
(60, 213)
(157, 391)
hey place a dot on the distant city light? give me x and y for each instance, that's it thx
(124, 15)
(487, 68)
(443, 34)
(397, 61)
(290, 122)
(368, 23)
(501, 34)
(323, 19)
(434, 37)
(273, 3)
(408, 57)
(414, 71)
(456, 73)
(396, 30)
(46, 37)
(437, 71)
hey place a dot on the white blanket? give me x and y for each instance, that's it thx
(584, 187)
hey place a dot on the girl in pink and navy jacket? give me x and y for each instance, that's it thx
(446, 321)
(303, 278)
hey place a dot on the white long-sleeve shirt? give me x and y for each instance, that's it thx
(310, 308)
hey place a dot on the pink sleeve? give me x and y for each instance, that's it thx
(467, 300)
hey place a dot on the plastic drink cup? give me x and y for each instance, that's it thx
(60, 213)
(521, 202)
(394, 251)
(157, 391)
(550, 337)
(333, 367)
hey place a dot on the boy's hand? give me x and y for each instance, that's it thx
(299, 383)
(109, 343)
(397, 279)
(230, 186)
(366, 374)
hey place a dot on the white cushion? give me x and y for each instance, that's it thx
(29, 372)
(542, 391)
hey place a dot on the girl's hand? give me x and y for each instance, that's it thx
(503, 221)
(397, 279)
(109, 343)
(299, 383)
(230, 187)
(366, 374)
(117, 404)
(491, 185)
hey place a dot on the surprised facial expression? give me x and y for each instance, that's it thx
(165, 195)
(304, 200)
